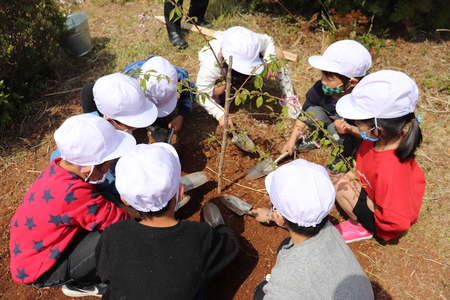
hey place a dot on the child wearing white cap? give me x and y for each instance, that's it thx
(54, 230)
(303, 195)
(247, 48)
(120, 100)
(161, 79)
(386, 197)
(343, 64)
(158, 256)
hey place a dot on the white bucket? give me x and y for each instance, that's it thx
(77, 38)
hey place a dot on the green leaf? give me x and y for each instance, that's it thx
(303, 119)
(335, 151)
(331, 160)
(269, 107)
(259, 101)
(237, 100)
(258, 82)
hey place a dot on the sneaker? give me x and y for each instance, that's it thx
(353, 233)
(73, 289)
(330, 167)
(203, 23)
(294, 106)
(159, 134)
(307, 144)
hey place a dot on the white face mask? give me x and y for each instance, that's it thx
(101, 180)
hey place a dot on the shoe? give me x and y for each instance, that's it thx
(159, 134)
(212, 215)
(178, 40)
(353, 233)
(330, 167)
(294, 106)
(307, 144)
(73, 289)
(203, 23)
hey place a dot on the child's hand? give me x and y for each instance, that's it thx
(342, 126)
(176, 123)
(289, 146)
(264, 214)
(230, 123)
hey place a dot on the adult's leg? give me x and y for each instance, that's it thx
(87, 98)
(198, 9)
(77, 263)
(174, 27)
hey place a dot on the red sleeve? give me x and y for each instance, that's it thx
(95, 212)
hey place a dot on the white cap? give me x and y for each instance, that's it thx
(160, 90)
(346, 57)
(302, 192)
(121, 98)
(384, 94)
(87, 140)
(243, 44)
(148, 176)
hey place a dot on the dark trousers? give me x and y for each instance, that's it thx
(77, 263)
(197, 9)
(87, 98)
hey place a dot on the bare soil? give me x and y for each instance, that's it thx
(413, 267)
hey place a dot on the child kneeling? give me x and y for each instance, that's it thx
(157, 255)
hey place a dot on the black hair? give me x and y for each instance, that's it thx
(151, 214)
(237, 79)
(305, 231)
(343, 78)
(391, 128)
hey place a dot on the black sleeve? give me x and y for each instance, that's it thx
(313, 96)
(224, 248)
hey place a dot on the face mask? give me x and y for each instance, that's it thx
(367, 138)
(330, 91)
(101, 180)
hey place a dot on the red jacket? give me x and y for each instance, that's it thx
(55, 209)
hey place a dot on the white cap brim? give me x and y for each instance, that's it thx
(167, 109)
(146, 118)
(318, 62)
(246, 68)
(127, 142)
(345, 108)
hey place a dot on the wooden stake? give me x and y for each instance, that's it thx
(208, 32)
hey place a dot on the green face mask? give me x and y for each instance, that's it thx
(330, 91)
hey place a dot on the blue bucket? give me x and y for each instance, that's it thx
(77, 37)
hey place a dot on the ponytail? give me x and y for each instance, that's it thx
(410, 141)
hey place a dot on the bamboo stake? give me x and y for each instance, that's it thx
(225, 125)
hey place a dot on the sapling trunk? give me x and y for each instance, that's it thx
(225, 124)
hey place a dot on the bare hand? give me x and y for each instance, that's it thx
(342, 126)
(176, 123)
(230, 123)
(264, 214)
(289, 146)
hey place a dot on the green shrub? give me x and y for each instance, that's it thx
(29, 36)
(411, 15)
